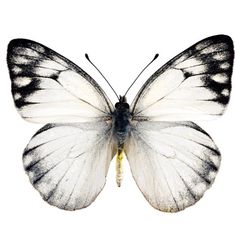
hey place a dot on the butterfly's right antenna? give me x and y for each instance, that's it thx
(87, 57)
(155, 57)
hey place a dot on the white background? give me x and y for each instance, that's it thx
(121, 37)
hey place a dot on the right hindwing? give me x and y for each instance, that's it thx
(173, 163)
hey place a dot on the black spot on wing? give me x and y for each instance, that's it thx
(221, 39)
(29, 71)
(40, 170)
(31, 150)
(189, 192)
(45, 128)
(18, 47)
(29, 89)
(39, 173)
(215, 62)
(211, 70)
(51, 193)
(193, 126)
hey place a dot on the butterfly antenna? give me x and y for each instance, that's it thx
(155, 57)
(87, 57)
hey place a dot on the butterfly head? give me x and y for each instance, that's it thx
(122, 104)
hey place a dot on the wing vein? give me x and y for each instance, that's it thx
(163, 173)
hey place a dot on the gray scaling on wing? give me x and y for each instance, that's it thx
(194, 85)
(48, 88)
(68, 163)
(173, 163)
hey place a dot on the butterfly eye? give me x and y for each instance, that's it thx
(117, 105)
(126, 105)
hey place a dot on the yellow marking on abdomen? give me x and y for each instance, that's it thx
(119, 169)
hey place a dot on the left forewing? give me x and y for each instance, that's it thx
(173, 163)
(48, 88)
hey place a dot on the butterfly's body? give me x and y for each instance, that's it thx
(121, 130)
(172, 160)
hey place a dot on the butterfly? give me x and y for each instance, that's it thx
(172, 160)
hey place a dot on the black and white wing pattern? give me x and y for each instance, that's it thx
(68, 163)
(173, 163)
(48, 88)
(195, 85)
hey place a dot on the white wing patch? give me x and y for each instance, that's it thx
(68, 163)
(195, 85)
(49, 88)
(172, 163)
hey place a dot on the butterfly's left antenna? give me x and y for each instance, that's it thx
(87, 57)
(155, 57)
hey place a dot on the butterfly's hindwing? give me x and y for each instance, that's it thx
(47, 87)
(196, 84)
(173, 163)
(68, 163)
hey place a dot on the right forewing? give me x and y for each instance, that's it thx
(173, 163)
(68, 163)
(194, 85)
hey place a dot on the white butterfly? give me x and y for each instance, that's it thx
(172, 160)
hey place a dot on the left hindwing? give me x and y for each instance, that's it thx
(49, 88)
(173, 163)
(68, 163)
(194, 85)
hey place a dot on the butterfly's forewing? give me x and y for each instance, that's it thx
(48, 88)
(194, 85)
(173, 163)
(68, 163)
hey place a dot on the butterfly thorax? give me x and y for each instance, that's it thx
(121, 121)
